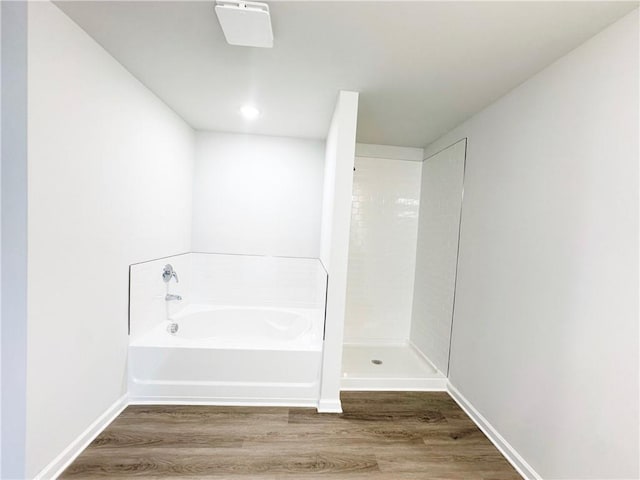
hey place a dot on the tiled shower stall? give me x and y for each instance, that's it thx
(400, 297)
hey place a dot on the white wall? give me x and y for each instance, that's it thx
(110, 171)
(257, 195)
(382, 249)
(257, 281)
(334, 247)
(545, 334)
(13, 254)
(437, 253)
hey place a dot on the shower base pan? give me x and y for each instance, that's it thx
(388, 367)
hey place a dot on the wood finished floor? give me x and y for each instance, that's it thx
(380, 435)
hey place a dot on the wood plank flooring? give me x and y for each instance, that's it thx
(380, 435)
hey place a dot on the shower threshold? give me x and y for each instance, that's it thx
(388, 367)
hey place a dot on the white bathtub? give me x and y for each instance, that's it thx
(258, 327)
(230, 355)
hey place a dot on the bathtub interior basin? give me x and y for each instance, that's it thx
(241, 324)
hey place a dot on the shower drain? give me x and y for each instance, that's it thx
(376, 362)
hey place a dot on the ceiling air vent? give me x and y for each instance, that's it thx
(245, 23)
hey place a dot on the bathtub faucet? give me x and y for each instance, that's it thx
(169, 297)
(172, 328)
(168, 273)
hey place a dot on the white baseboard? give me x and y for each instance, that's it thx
(224, 402)
(75, 448)
(492, 434)
(329, 406)
(69, 454)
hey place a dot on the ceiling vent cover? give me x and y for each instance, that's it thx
(245, 23)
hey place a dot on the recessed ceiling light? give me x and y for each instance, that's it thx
(250, 112)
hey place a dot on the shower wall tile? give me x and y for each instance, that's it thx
(440, 202)
(384, 227)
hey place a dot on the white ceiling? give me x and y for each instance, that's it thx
(421, 67)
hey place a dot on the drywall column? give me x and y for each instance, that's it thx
(334, 241)
(13, 258)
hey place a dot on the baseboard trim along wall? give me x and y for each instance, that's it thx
(75, 448)
(492, 434)
(329, 406)
(224, 402)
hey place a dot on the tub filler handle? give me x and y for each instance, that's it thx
(168, 273)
